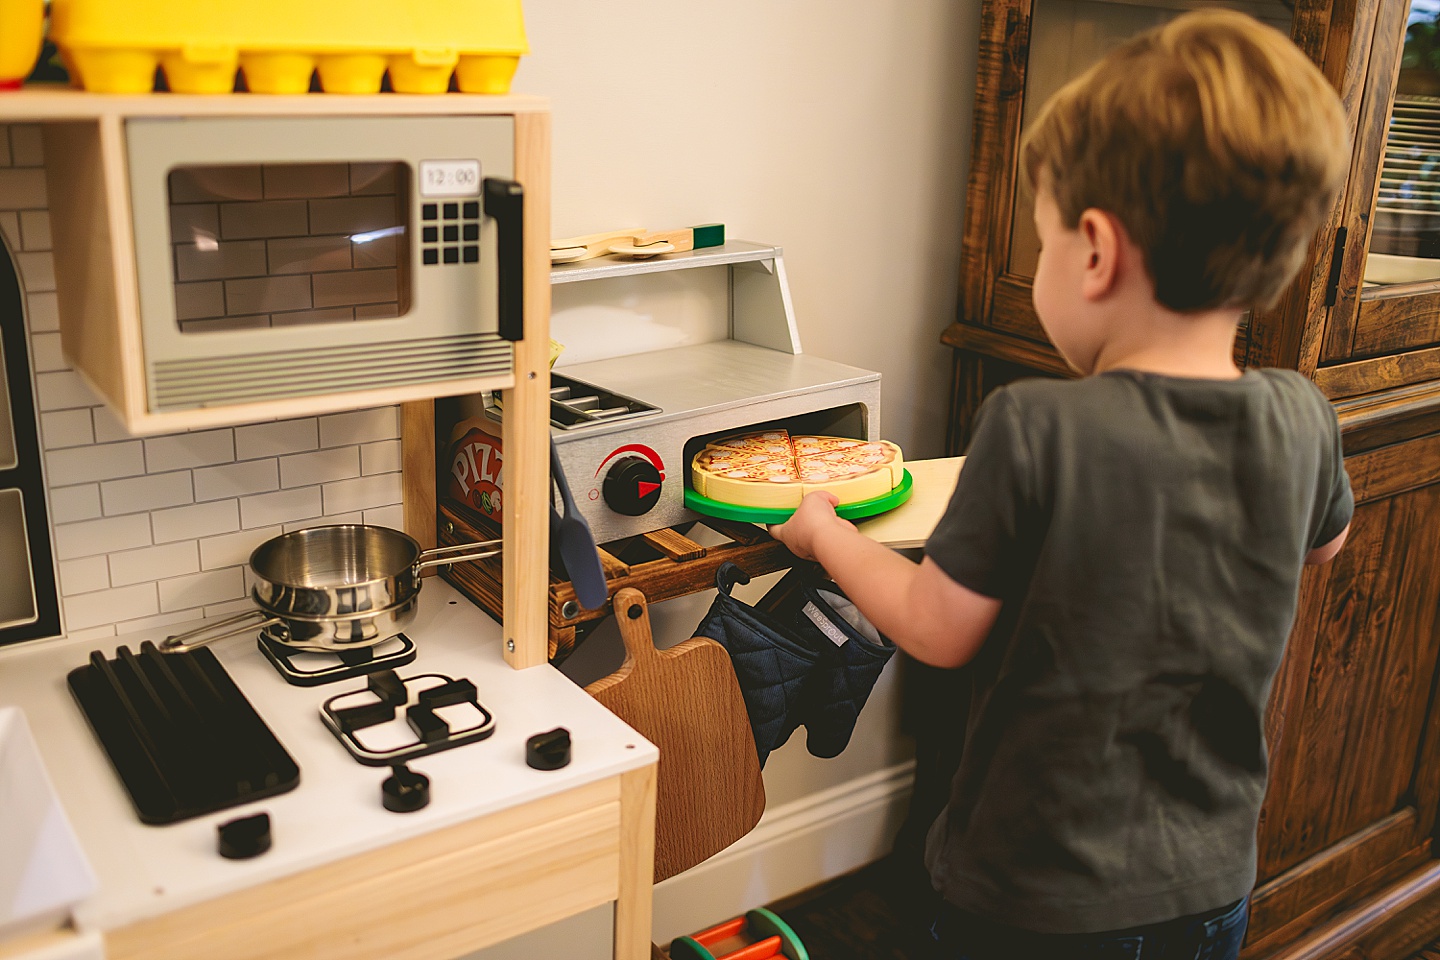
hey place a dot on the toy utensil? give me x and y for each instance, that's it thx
(644, 245)
(572, 249)
(571, 535)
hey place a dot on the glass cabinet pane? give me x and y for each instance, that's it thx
(1066, 37)
(1405, 236)
(286, 244)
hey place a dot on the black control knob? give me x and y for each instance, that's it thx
(632, 486)
(245, 838)
(404, 791)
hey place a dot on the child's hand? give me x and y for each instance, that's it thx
(816, 513)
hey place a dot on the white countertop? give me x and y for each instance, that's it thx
(335, 812)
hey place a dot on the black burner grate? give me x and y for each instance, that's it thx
(180, 734)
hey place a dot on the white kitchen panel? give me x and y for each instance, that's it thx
(85, 575)
(26, 149)
(110, 461)
(63, 390)
(22, 189)
(382, 457)
(45, 353)
(198, 589)
(35, 230)
(234, 549)
(72, 504)
(42, 310)
(107, 606)
(37, 271)
(363, 493)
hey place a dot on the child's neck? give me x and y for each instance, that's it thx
(1194, 345)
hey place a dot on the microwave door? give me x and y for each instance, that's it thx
(297, 256)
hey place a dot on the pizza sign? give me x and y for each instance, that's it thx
(475, 473)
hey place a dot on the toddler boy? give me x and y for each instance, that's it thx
(1120, 560)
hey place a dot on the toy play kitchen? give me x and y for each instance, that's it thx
(371, 250)
(627, 427)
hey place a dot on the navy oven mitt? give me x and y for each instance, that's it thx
(852, 654)
(771, 666)
(803, 655)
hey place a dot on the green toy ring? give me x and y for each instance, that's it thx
(850, 511)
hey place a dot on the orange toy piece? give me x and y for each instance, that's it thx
(116, 47)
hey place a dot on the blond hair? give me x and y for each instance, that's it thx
(1215, 142)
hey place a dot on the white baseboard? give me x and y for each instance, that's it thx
(795, 846)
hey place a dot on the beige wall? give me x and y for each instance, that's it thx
(839, 131)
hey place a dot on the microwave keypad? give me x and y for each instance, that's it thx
(450, 233)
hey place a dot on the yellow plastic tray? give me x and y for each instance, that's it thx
(112, 47)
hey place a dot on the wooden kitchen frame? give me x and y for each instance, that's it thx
(460, 888)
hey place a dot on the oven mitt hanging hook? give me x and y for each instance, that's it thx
(771, 666)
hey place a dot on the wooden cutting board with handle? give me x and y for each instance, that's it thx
(687, 702)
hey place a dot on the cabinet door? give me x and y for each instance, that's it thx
(1028, 50)
(1352, 725)
(1384, 327)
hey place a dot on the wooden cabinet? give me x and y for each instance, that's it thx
(1347, 864)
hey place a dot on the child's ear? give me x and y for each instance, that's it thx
(1104, 248)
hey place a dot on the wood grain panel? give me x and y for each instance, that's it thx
(1397, 323)
(1379, 373)
(1294, 902)
(438, 896)
(1385, 927)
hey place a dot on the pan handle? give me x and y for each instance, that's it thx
(478, 551)
(231, 626)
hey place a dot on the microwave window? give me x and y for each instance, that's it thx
(287, 244)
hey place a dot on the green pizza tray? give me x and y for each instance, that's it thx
(850, 511)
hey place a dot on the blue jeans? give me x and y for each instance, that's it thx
(1215, 935)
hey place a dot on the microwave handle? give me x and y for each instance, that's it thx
(505, 203)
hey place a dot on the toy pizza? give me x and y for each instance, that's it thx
(774, 471)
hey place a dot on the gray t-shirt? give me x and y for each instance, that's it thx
(1146, 534)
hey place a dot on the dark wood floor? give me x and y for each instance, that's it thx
(879, 913)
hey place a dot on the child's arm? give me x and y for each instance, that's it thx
(1326, 552)
(926, 614)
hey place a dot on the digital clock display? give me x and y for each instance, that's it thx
(449, 178)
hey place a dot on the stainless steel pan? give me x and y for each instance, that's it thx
(333, 587)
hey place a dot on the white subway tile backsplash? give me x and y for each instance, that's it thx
(92, 633)
(71, 504)
(276, 439)
(42, 311)
(377, 491)
(229, 608)
(34, 230)
(391, 516)
(142, 494)
(37, 270)
(107, 427)
(90, 538)
(164, 624)
(108, 606)
(151, 532)
(26, 146)
(103, 462)
(10, 229)
(22, 189)
(236, 479)
(234, 549)
(154, 563)
(268, 509)
(196, 520)
(63, 390)
(360, 426)
(45, 354)
(180, 451)
(66, 428)
(306, 469)
(329, 518)
(382, 457)
(198, 589)
(85, 575)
